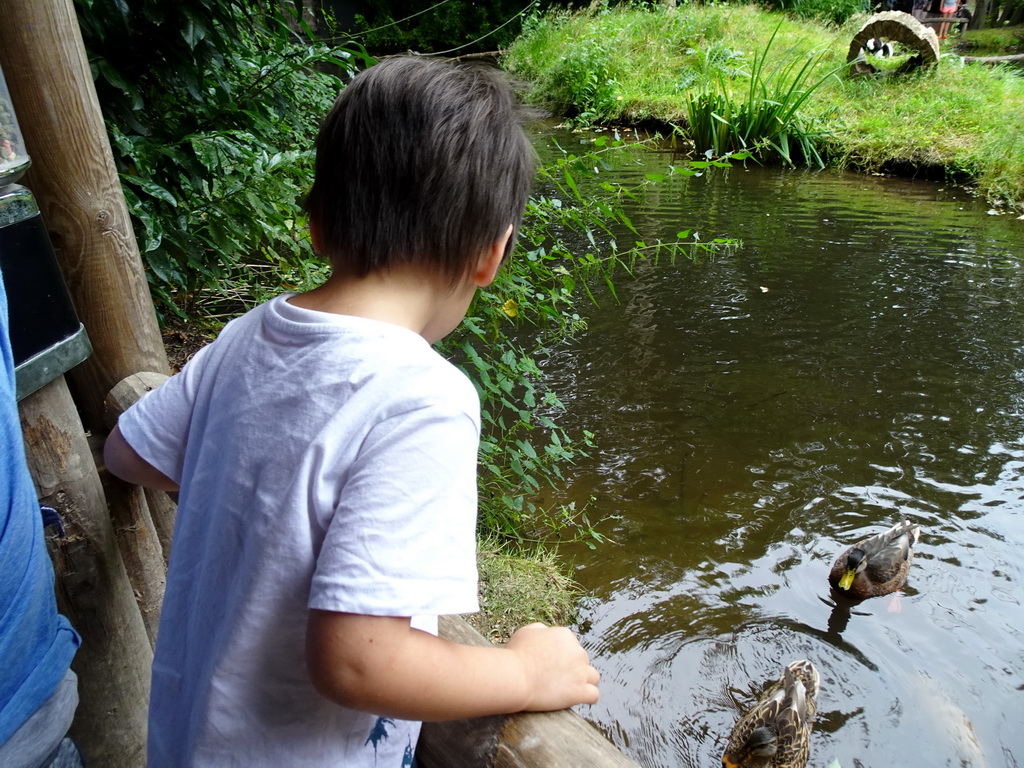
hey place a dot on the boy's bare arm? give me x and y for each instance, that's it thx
(382, 665)
(122, 461)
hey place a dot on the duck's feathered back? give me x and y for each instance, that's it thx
(776, 732)
(876, 565)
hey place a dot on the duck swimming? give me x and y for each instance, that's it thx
(876, 565)
(776, 733)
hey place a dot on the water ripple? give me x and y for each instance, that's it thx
(857, 361)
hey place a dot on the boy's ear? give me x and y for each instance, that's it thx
(490, 260)
(314, 234)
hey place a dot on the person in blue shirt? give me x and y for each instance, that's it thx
(38, 690)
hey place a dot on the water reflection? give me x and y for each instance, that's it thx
(746, 436)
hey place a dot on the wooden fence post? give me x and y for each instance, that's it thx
(162, 509)
(93, 590)
(79, 194)
(75, 183)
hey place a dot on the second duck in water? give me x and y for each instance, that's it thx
(876, 565)
(776, 733)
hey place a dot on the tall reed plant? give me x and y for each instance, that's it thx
(765, 117)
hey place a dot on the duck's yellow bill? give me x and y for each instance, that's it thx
(847, 581)
(727, 762)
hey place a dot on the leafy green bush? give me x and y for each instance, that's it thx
(391, 26)
(211, 109)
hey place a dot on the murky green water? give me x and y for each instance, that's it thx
(858, 360)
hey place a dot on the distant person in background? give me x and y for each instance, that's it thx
(948, 9)
(920, 9)
(904, 6)
(963, 12)
(38, 690)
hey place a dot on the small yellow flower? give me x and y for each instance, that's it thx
(510, 308)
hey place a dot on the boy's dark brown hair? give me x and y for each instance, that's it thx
(420, 161)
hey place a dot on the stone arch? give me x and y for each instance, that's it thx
(900, 27)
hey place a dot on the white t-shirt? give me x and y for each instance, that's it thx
(325, 461)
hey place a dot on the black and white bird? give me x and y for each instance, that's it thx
(877, 47)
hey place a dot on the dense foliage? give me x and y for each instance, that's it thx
(431, 25)
(829, 11)
(211, 107)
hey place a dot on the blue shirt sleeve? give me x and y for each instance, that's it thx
(36, 643)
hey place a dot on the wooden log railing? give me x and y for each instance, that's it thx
(92, 584)
(75, 183)
(1013, 58)
(525, 740)
(162, 509)
(958, 21)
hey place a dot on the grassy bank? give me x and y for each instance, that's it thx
(518, 589)
(636, 65)
(1002, 41)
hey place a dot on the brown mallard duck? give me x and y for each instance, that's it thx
(876, 565)
(776, 733)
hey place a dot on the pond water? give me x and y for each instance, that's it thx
(857, 360)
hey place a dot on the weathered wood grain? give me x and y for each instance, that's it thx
(525, 740)
(93, 589)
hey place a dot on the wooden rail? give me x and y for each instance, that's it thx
(526, 740)
(953, 20)
(1011, 59)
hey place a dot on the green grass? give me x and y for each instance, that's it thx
(518, 589)
(1000, 41)
(958, 117)
(629, 65)
(651, 58)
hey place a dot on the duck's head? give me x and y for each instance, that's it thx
(856, 562)
(758, 749)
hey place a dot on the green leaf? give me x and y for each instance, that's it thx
(526, 448)
(114, 77)
(152, 188)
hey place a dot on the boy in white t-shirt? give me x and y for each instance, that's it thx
(326, 459)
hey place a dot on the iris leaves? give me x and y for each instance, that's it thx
(764, 118)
